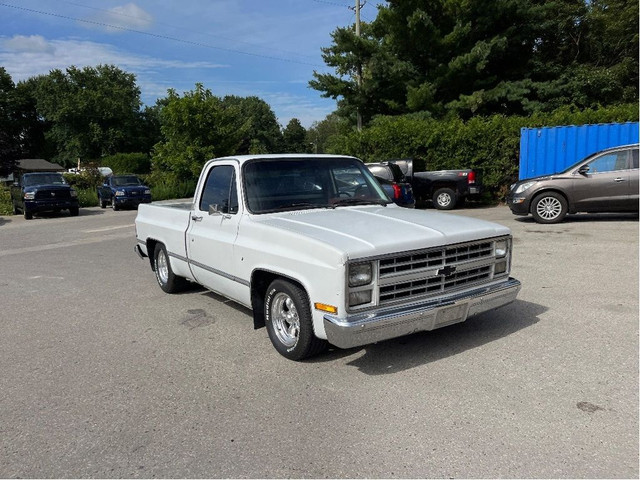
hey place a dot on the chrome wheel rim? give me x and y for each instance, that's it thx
(162, 268)
(549, 208)
(285, 319)
(444, 199)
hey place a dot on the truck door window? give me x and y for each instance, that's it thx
(220, 190)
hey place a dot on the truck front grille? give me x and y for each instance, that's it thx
(52, 194)
(434, 272)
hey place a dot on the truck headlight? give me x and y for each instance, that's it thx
(147, 191)
(120, 193)
(502, 248)
(73, 193)
(360, 274)
(524, 186)
(29, 195)
(360, 298)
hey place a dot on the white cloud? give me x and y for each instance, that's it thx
(128, 16)
(26, 57)
(31, 43)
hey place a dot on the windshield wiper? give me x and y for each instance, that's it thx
(302, 205)
(359, 201)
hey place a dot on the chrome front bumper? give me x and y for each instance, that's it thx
(383, 324)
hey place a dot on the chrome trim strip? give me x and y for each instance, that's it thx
(216, 272)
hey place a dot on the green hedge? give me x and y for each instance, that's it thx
(490, 144)
(139, 163)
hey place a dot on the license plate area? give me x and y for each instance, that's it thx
(452, 314)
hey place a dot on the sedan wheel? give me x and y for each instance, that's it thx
(549, 208)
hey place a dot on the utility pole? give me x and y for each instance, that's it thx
(359, 67)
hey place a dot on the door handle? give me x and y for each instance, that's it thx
(196, 218)
(619, 179)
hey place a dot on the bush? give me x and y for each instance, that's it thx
(165, 186)
(87, 197)
(6, 208)
(138, 163)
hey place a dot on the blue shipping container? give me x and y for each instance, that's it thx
(553, 149)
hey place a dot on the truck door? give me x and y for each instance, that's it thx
(212, 231)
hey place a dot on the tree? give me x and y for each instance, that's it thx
(294, 138)
(91, 112)
(196, 127)
(263, 134)
(9, 134)
(479, 58)
(320, 133)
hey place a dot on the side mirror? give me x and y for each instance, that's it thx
(213, 210)
(583, 170)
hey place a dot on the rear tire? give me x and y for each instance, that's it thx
(168, 281)
(103, 204)
(444, 199)
(289, 322)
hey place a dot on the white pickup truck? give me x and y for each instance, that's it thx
(313, 245)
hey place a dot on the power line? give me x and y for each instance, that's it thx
(163, 37)
(112, 12)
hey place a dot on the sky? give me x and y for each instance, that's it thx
(263, 48)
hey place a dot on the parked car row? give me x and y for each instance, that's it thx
(49, 192)
(606, 181)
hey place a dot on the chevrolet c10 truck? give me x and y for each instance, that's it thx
(316, 249)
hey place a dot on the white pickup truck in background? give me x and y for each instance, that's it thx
(313, 245)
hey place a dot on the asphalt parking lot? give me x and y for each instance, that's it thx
(104, 375)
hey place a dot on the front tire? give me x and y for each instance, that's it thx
(549, 207)
(114, 205)
(289, 323)
(444, 199)
(74, 211)
(168, 281)
(27, 215)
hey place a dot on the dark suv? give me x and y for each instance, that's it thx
(43, 192)
(606, 181)
(391, 178)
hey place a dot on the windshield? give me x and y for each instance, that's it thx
(43, 179)
(126, 181)
(294, 184)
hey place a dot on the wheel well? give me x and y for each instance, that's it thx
(260, 281)
(436, 186)
(550, 190)
(151, 248)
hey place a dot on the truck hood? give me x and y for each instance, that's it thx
(373, 230)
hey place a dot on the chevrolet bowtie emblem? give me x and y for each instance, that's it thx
(446, 271)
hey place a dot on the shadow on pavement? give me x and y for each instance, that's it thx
(422, 348)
